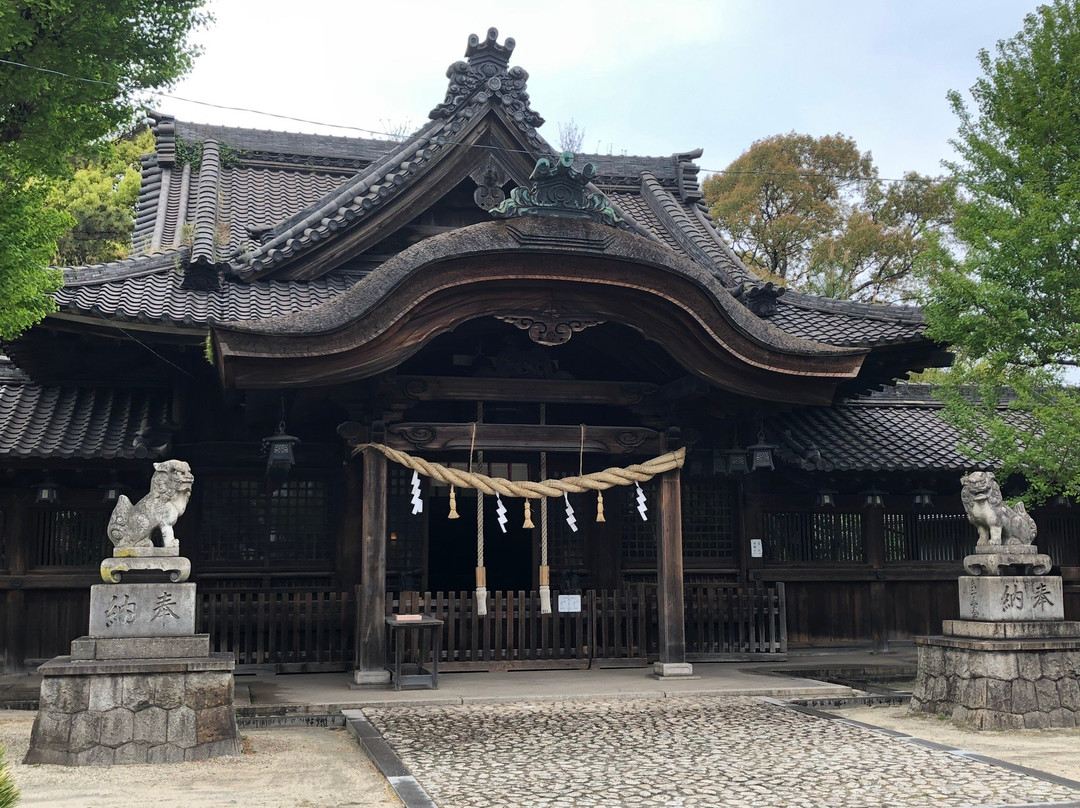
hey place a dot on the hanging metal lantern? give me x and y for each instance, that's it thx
(736, 461)
(279, 452)
(761, 453)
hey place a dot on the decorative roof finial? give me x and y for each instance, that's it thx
(486, 76)
(489, 50)
(559, 190)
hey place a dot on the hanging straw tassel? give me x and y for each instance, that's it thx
(528, 523)
(600, 506)
(453, 505)
(481, 591)
(545, 590)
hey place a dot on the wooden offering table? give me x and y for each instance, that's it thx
(416, 674)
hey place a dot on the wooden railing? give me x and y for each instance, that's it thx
(312, 630)
(732, 622)
(292, 630)
(611, 625)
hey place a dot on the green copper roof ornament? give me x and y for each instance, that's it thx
(559, 190)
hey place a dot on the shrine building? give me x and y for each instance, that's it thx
(308, 319)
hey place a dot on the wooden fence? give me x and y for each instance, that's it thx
(311, 630)
(734, 622)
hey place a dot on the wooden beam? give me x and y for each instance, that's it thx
(669, 577)
(523, 437)
(371, 629)
(552, 391)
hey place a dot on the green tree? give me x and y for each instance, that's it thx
(1011, 307)
(72, 73)
(101, 196)
(813, 214)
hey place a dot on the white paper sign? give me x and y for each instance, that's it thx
(569, 603)
(755, 548)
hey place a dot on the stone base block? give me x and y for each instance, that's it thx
(176, 567)
(1020, 630)
(377, 677)
(142, 610)
(1000, 684)
(158, 711)
(673, 670)
(115, 648)
(1011, 597)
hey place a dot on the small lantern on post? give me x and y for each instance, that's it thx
(826, 498)
(923, 498)
(46, 492)
(873, 498)
(110, 491)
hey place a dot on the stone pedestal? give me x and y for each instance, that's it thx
(142, 686)
(1020, 683)
(97, 713)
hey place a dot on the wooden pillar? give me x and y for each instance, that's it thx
(874, 547)
(371, 629)
(669, 577)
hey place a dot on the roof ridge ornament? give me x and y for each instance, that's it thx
(486, 76)
(559, 190)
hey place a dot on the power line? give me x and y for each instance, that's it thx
(446, 141)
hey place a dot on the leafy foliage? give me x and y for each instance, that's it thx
(9, 794)
(1012, 305)
(118, 49)
(101, 197)
(813, 214)
(28, 233)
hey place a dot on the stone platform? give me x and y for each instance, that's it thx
(104, 712)
(1009, 676)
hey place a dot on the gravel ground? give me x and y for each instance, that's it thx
(701, 752)
(1055, 751)
(280, 768)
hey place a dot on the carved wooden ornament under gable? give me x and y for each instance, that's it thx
(549, 328)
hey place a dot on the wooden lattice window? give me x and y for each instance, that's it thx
(927, 536)
(244, 522)
(70, 538)
(639, 537)
(1059, 537)
(405, 542)
(707, 519)
(825, 537)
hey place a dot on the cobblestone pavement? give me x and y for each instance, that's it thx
(700, 752)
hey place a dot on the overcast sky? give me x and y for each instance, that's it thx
(639, 77)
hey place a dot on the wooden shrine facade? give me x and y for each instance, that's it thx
(316, 293)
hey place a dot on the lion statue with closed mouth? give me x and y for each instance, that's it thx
(996, 522)
(170, 489)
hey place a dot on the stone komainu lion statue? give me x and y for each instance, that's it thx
(996, 522)
(170, 488)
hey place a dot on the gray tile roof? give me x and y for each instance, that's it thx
(43, 422)
(297, 191)
(898, 429)
(151, 291)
